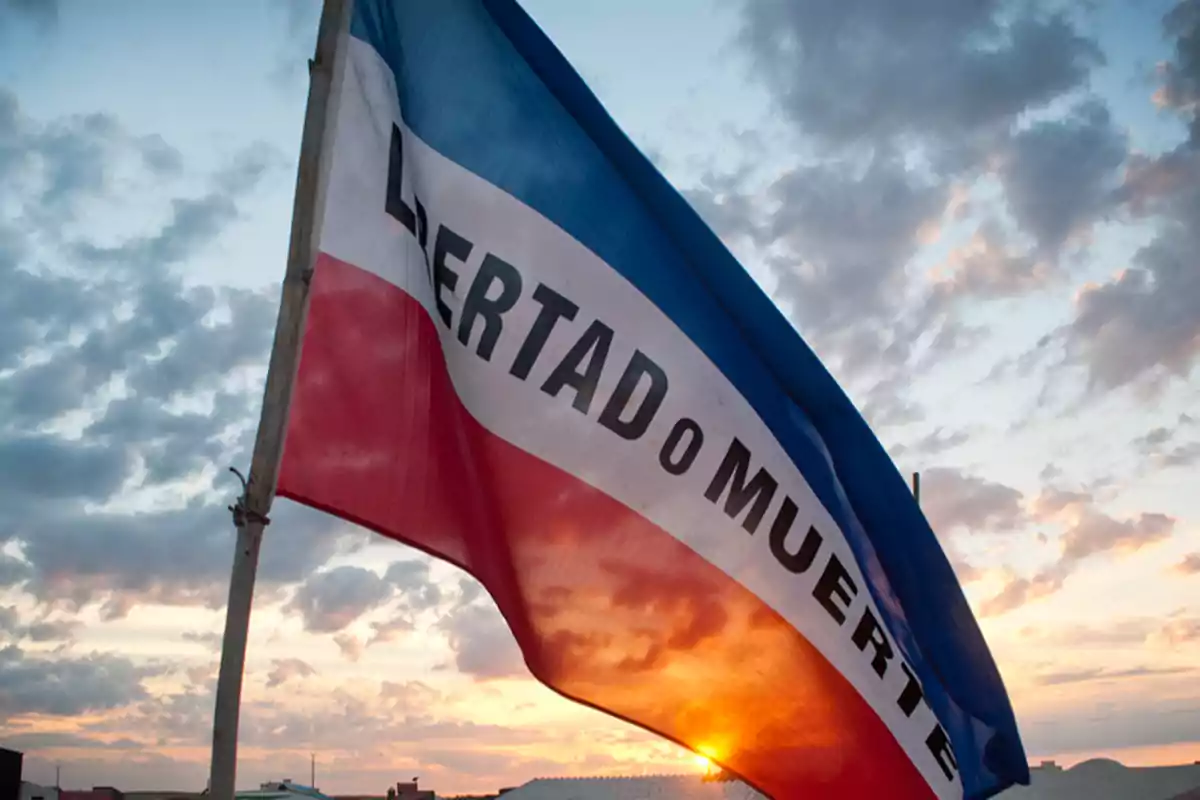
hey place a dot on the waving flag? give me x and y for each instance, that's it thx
(525, 354)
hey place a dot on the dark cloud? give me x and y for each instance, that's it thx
(159, 156)
(1163, 447)
(10, 620)
(936, 442)
(42, 12)
(953, 500)
(1190, 565)
(390, 630)
(287, 669)
(1086, 532)
(1117, 634)
(1185, 455)
(849, 237)
(1110, 718)
(207, 639)
(1180, 631)
(42, 630)
(1181, 75)
(46, 740)
(483, 646)
(724, 203)
(1101, 674)
(1061, 175)
(117, 336)
(44, 468)
(172, 557)
(898, 112)
(57, 630)
(350, 646)
(872, 70)
(1096, 532)
(331, 600)
(1144, 325)
(13, 571)
(414, 592)
(66, 686)
(838, 241)
(1019, 591)
(389, 713)
(411, 579)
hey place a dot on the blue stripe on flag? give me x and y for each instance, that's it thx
(481, 84)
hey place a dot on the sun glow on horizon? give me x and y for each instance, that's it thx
(703, 757)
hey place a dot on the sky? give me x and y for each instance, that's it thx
(984, 217)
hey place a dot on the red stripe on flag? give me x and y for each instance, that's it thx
(608, 608)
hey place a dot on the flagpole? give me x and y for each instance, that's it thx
(250, 512)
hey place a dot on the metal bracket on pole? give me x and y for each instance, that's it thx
(242, 513)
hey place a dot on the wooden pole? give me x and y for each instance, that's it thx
(250, 513)
(916, 487)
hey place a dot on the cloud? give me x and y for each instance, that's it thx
(389, 630)
(1019, 591)
(350, 646)
(42, 630)
(722, 200)
(1086, 532)
(207, 639)
(121, 560)
(848, 236)
(331, 600)
(411, 580)
(59, 630)
(953, 500)
(1117, 634)
(1190, 565)
(1060, 176)
(1114, 717)
(1144, 325)
(483, 646)
(1181, 631)
(1162, 446)
(125, 385)
(1155, 438)
(1181, 76)
(1062, 677)
(287, 669)
(65, 686)
(409, 697)
(987, 268)
(1096, 532)
(13, 571)
(871, 70)
(936, 442)
(897, 114)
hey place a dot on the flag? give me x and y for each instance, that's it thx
(525, 354)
